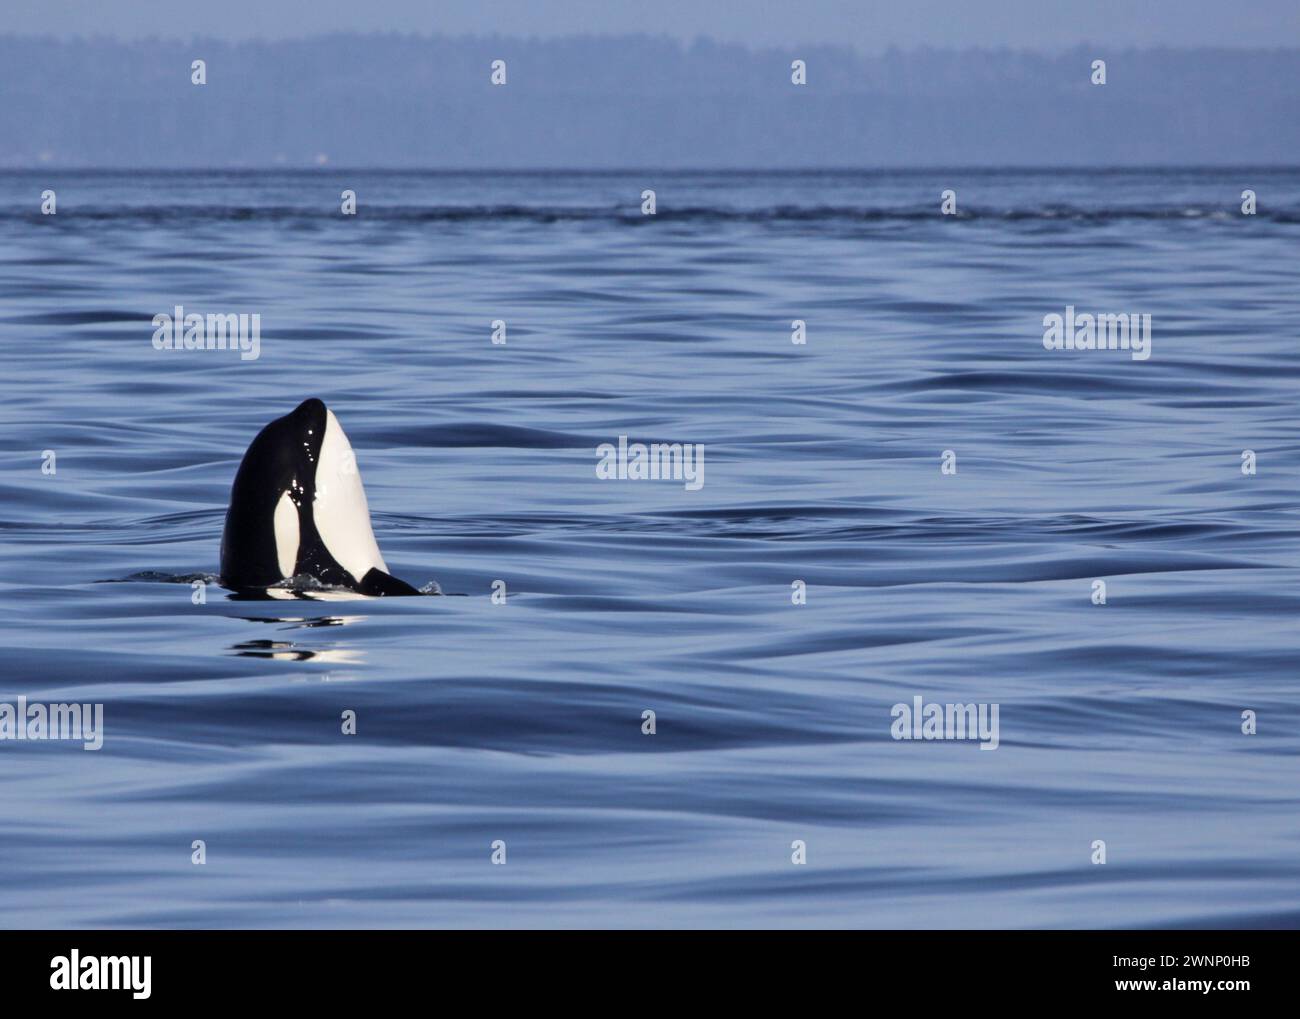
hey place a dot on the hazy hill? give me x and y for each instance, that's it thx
(633, 101)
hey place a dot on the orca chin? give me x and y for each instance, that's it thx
(297, 509)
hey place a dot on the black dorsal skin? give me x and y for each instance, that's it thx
(283, 458)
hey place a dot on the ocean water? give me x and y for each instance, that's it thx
(522, 722)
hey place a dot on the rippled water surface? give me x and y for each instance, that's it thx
(522, 722)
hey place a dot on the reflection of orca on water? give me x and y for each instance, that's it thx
(297, 508)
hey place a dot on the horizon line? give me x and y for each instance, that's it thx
(684, 43)
(700, 170)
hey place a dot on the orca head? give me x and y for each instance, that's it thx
(297, 507)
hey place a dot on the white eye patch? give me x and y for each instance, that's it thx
(286, 535)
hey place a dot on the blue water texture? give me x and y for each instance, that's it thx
(522, 722)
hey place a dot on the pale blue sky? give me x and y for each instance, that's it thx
(870, 26)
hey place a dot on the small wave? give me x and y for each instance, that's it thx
(303, 586)
(469, 434)
(193, 213)
(160, 577)
(306, 587)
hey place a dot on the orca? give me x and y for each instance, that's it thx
(297, 507)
